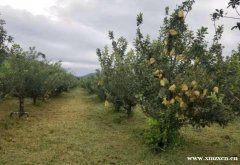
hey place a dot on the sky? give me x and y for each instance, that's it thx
(72, 30)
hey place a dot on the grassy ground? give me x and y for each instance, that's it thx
(76, 129)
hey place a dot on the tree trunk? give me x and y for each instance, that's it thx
(34, 100)
(43, 99)
(129, 111)
(21, 106)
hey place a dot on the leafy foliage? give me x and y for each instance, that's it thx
(4, 52)
(118, 77)
(173, 91)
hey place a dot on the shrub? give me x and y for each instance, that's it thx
(118, 77)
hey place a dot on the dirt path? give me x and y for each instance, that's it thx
(70, 129)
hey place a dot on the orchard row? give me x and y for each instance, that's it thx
(178, 79)
(29, 74)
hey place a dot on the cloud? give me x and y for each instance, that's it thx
(35, 7)
(59, 40)
(72, 30)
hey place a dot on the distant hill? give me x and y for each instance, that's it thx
(87, 75)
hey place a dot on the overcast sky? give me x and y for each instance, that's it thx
(71, 30)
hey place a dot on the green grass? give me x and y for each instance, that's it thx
(75, 128)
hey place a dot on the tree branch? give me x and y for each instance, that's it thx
(231, 17)
(237, 11)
